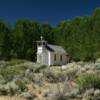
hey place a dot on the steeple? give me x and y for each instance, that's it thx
(42, 42)
(41, 37)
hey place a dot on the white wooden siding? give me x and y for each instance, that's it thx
(46, 57)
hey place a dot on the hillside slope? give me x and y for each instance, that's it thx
(25, 80)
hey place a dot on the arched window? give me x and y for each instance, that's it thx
(55, 57)
(60, 57)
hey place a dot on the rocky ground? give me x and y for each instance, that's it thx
(25, 80)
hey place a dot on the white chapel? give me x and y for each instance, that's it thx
(48, 54)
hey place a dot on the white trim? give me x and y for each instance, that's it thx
(49, 58)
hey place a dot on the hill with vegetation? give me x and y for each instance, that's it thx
(80, 36)
(25, 80)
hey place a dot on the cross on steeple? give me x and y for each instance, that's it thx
(42, 42)
(41, 37)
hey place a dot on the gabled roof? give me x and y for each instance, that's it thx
(49, 48)
(55, 48)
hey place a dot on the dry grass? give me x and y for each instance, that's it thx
(10, 98)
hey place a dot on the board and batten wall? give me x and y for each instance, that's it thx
(55, 58)
(46, 57)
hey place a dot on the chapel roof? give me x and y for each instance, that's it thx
(55, 48)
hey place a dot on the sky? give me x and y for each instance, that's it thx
(51, 11)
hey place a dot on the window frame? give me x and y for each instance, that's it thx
(61, 58)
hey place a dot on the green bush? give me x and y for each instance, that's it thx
(60, 96)
(15, 62)
(7, 74)
(71, 73)
(54, 77)
(89, 80)
(40, 68)
(13, 68)
(20, 84)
